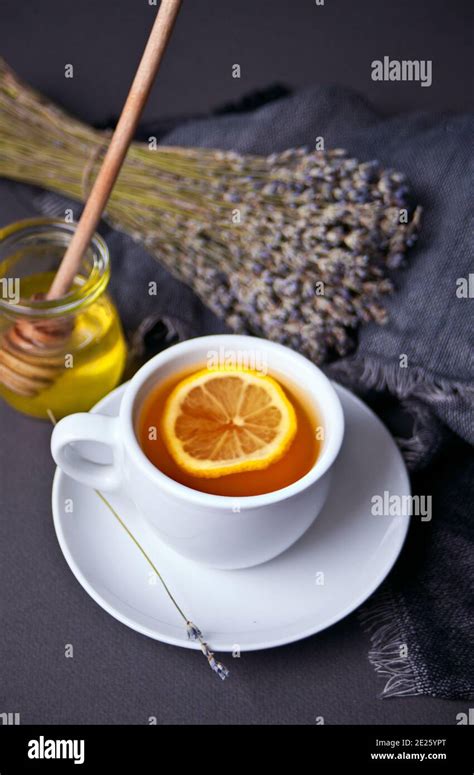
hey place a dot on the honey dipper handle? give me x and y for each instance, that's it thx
(117, 150)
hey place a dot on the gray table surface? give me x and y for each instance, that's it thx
(117, 675)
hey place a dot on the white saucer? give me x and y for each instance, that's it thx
(328, 573)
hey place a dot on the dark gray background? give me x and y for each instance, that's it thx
(289, 41)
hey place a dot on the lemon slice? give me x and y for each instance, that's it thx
(220, 422)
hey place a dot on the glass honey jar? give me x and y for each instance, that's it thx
(73, 371)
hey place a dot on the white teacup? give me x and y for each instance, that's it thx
(209, 529)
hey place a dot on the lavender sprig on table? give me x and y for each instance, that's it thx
(193, 632)
(296, 247)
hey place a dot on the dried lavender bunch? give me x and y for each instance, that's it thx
(296, 246)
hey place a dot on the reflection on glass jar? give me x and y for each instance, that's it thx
(57, 356)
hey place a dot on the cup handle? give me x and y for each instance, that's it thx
(88, 427)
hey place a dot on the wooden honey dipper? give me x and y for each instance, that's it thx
(32, 352)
